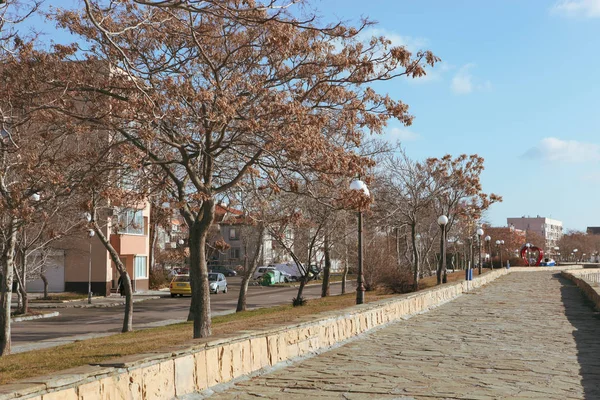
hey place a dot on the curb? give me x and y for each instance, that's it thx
(102, 305)
(32, 317)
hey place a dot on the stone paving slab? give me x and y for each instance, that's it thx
(525, 336)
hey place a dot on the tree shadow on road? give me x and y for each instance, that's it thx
(581, 314)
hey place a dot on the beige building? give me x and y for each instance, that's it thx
(68, 268)
(550, 229)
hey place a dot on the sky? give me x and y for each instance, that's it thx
(518, 84)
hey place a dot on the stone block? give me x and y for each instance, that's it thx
(67, 394)
(158, 381)
(201, 375)
(135, 384)
(18, 390)
(212, 366)
(90, 391)
(225, 363)
(115, 387)
(273, 349)
(259, 353)
(185, 375)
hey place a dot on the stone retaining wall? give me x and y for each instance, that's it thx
(589, 288)
(209, 362)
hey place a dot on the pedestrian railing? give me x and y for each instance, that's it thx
(590, 277)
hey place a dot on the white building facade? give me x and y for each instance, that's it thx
(550, 229)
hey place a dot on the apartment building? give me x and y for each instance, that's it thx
(68, 264)
(549, 229)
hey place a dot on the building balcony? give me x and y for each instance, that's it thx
(126, 244)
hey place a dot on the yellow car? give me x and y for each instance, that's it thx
(180, 285)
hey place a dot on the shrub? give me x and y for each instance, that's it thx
(298, 301)
(159, 278)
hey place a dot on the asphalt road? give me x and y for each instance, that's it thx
(81, 323)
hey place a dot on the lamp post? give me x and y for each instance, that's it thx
(479, 235)
(360, 287)
(88, 217)
(488, 240)
(499, 244)
(575, 255)
(556, 249)
(442, 222)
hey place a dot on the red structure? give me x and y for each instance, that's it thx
(527, 250)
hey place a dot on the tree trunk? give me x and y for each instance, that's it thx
(8, 264)
(249, 268)
(23, 305)
(125, 279)
(416, 257)
(45, 280)
(327, 269)
(151, 251)
(346, 262)
(127, 288)
(298, 301)
(22, 278)
(345, 274)
(200, 304)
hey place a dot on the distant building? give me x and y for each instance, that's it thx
(593, 230)
(549, 229)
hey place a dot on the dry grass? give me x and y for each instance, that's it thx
(47, 361)
(333, 278)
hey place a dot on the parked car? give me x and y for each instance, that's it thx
(217, 282)
(223, 270)
(260, 271)
(180, 285)
(548, 262)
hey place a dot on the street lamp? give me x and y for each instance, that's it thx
(528, 245)
(499, 244)
(556, 249)
(442, 222)
(479, 235)
(575, 255)
(88, 217)
(360, 287)
(488, 240)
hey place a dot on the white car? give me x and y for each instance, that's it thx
(261, 271)
(217, 283)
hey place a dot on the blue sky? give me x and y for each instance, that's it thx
(518, 85)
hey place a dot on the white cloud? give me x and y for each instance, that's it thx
(464, 82)
(413, 44)
(578, 8)
(572, 151)
(402, 134)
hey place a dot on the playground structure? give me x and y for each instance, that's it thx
(532, 255)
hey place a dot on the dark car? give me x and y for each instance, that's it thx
(223, 270)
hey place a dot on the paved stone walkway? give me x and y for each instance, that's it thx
(528, 335)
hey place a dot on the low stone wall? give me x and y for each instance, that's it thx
(582, 279)
(209, 362)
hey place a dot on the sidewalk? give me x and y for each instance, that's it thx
(528, 335)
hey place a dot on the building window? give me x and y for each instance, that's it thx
(139, 264)
(131, 221)
(234, 253)
(234, 234)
